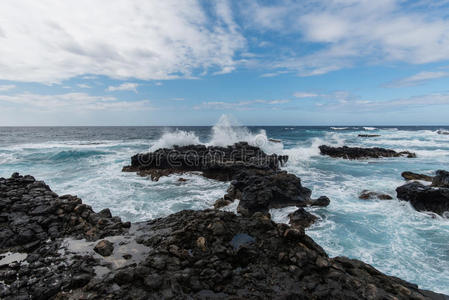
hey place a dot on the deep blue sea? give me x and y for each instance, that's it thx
(390, 235)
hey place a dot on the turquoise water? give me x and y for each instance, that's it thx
(390, 235)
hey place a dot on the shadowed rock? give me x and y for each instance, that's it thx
(220, 163)
(365, 195)
(301, 218)
(425, 198)
(369, 135)
(260, 191)
(360, 153)
(441, 179)
(415, 176)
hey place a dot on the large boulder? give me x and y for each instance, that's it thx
(425, 198)
(441, 179)
(415, 176)
(261, 191)
(358, 153)
(220, 163)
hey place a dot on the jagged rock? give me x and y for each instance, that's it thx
(365, 195)
(443, 132)
(301, 218)
(425, 198)
(415, 176)
(369, 135)
(191, 254)
(358, 153)
(441, 179)
(104, 248)
(259, 191)
(220, 163)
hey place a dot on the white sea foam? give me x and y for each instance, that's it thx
(178, 137)
(339, 128)
(226, 132)
(369, 128)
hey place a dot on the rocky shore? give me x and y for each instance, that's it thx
(56, 247)
(361, 153)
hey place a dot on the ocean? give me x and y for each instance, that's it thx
(390, 235)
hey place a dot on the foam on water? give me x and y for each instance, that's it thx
(225, 133)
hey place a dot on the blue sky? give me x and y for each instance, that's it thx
(138, 62)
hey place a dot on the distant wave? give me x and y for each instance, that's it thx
(369, 128)
(339, 128)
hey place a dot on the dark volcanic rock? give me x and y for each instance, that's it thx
(425, 198)
(441, 179)
(415, 176)
(104, 248)
(207, 254)
(443, 132)
(357, 153)
(220, 163)
(365, 195)
(301, 218)
(369, 135)
(259, 191)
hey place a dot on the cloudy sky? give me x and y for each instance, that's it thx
(186, 62)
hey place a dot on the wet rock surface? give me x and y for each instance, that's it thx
(366, 195)
(220, 163)
(360, 153)
(301, 218)
(261, 191)
(441, 179)
(369, 135)
(207, 254)
(424, 197)
(415, 176)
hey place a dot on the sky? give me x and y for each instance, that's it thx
(186, 62)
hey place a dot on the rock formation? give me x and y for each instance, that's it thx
(365, 195)
(360, 153)
(415, 176)
(425, 198)
(220, 163)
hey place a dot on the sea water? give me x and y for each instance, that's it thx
(390, 235)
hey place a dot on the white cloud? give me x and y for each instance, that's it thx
(305, 95)
(349, 32)
(83, 86)
(240, 105)
(344, 101)
(417, 79)
(51, 40)
(7, 87)
(127, 86)
(73, 102)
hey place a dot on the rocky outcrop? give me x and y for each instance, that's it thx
(259, 191)
(415, 176)
(31, 214)
(207, 254)
(369, 135)
(365, 195)
(257, 180)
(441, 179)
(425, 198)
(220, 163)
(443, 132)
(301, 218)
(360, 153)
